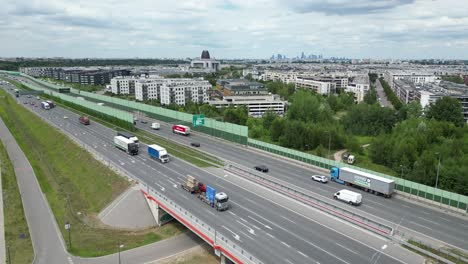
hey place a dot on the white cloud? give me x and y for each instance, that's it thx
(235, 28)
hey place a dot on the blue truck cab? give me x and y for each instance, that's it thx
(335, 175)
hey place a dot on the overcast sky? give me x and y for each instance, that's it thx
(234, 28)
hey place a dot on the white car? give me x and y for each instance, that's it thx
(319, 178)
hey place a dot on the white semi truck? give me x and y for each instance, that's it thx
(126, 145)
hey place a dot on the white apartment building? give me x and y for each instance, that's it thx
(123, 85)
(283, 76)
(168, 91)
(257, 105)
(414, 77)
(319, 87)
(360, 86)
(179, 91)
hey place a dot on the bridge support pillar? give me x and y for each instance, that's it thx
(159, 214)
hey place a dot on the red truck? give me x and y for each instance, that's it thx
(84, 120)
(180, 129)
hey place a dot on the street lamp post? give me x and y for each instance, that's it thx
(119, 246)
(68, 227)
(438, 169)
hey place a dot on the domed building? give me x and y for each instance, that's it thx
(205, 62)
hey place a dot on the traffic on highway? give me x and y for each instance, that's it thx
(261, 221)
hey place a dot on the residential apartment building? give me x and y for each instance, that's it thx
(359, 86)
(123, 85)
(319, 87)
(414, 77)
(167, 91)
(179, 91)
(282, 76)
(257, 105)
(231, 87)
(404, 89)
(81, 75)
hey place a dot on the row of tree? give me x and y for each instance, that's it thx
(15, 65)
(390, 94)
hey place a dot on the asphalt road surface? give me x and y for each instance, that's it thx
(272, 232)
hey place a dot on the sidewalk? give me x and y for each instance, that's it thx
(2, 224)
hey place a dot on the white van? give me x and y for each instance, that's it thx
(156, 126)
(349, 197)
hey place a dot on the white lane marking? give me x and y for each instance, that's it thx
(420, 225)
(209, 211)
(270, 235)
(287, 260)
(285, 244)
(236, 236)
(232, 212)
(251, 231)
(160, 186)
(445, 219)
(287, 219)
(424, 219)
(302, 254)
(242, 232)
(266, 226)
(404, 205)
(352, 251)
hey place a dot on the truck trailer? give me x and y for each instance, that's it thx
(366, 181)
(180, 129)
(129, 136)
(158, 152)
(220, 200)
(126, 144)
(192, 185)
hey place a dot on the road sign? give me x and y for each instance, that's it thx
(67, 225)
(198, 120)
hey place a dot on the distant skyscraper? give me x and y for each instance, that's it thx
(272, 57)
(303, 56)
(279, 57)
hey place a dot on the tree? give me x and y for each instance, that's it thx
(268, 118)
(277, 128)
(371, 96)
(447, 109)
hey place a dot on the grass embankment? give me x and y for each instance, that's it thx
(76, 185)
(197, 255)
(434, 251)
(17, 236)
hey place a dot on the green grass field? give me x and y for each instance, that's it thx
(16, 228)
(76, 185)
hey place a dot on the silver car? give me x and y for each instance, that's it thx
(319, 178)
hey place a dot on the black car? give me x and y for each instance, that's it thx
(143, 121)
(195, 144)
(261, 168)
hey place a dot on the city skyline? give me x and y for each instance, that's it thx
(400, 29)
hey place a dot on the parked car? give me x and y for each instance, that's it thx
(320, 178)
(261, 168)
(195, 144)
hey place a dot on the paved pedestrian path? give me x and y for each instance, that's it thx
(2, 221)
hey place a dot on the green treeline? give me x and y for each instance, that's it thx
(14, 66)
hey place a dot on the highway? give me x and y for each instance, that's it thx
(427, 221)
(269, 231)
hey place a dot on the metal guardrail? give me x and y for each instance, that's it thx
(218, 241)
(329, 208)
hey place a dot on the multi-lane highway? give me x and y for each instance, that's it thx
(275, 232)
(424, 220)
